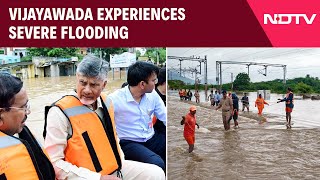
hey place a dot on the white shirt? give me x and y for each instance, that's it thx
(58, 130)
(134, 120)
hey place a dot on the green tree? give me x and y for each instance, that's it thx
(152, 52)
(106, 52)
(303, 88)
(176, 84)
(138, 54)
(53, 52)
(242, 82)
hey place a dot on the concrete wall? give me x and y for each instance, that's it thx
(54, 70)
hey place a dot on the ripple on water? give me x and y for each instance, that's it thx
(254, 151)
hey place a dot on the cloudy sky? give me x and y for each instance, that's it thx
(299, 61)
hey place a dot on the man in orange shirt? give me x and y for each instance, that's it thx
(190, 122)
(260, 102)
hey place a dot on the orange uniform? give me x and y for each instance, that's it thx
(260, 102)
(189, 128)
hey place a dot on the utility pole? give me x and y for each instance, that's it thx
(180, 66)
(194, 58)
(157, 56)
(217, 73)
(196, 81)
(206, 75)
(248, 64)
(232, 81)
(284, 74)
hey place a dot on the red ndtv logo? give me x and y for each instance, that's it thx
(288, 19)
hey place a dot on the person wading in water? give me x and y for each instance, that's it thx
(190, 122)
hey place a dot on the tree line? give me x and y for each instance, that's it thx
(301, 85)
(105, 53)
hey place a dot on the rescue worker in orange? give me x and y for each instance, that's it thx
(20, 157)
(190, 122)
(80, 135)
(185, 94)
(289, 106)
(260, 102)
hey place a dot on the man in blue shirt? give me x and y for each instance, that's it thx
(289, 106)
(134, 107)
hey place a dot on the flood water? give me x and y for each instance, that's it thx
(305, 113)
(46, 90)
(254, 151)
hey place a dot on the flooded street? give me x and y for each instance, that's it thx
(301, 115)
(254, 151)
(44, 91)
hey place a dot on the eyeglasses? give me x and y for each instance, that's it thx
(26, 108)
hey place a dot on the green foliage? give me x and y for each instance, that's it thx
(176, 84)
(152, 52)
(138, 54)
(26, 59)
(226, 87)
(106, 52)
(299, 85)
(241, 82)
(303, 88)
(52, 52)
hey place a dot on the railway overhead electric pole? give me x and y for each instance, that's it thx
(248, 64)
(194, 58)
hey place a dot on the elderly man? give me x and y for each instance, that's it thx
(134, 107)
(21, 158)
(80, 135)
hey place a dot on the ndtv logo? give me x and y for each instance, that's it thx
(288, 18)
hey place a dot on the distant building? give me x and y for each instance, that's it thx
(13, 51)
(9, 59)
(13, 65)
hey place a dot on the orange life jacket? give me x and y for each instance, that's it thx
(93, 144)
(23, 158)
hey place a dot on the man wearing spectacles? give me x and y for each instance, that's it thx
(134, 107)
(22, 157)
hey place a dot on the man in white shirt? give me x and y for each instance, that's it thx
(134, 107)
(80, 135)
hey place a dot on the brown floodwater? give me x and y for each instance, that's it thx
(254, 151)
(46, 90)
